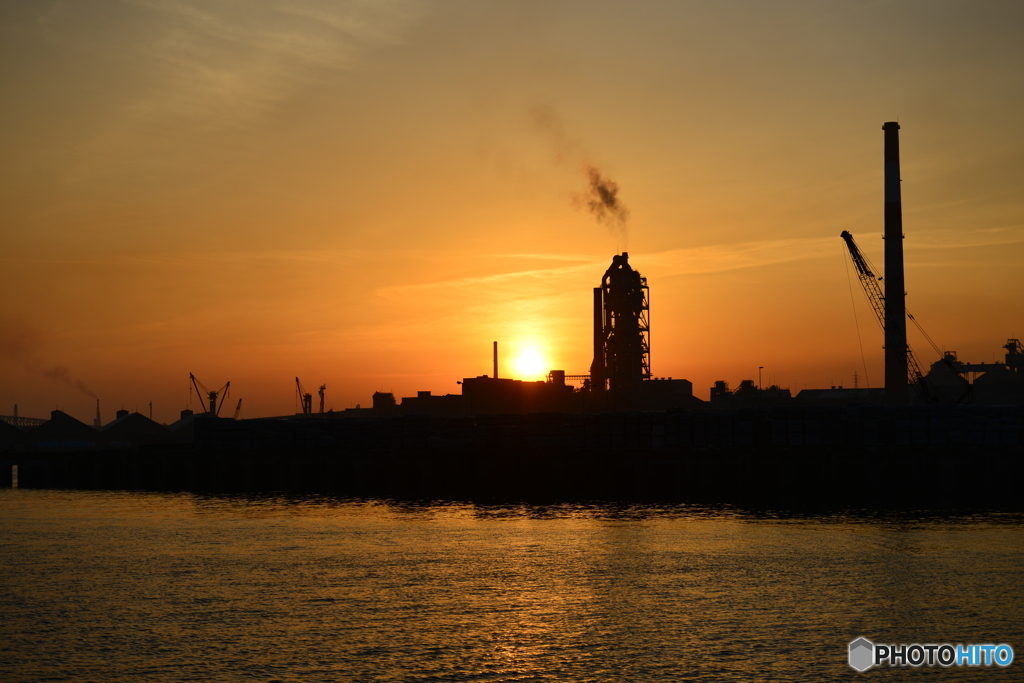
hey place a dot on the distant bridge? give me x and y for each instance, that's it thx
(19, 421)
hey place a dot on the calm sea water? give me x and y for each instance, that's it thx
(106, 586)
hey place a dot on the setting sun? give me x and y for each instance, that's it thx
(529, 364)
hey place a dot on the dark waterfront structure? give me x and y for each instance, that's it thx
(993, 383)
(747, 394)
(896, 389)
(938, 455)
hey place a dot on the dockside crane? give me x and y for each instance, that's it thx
(873, 291)
(238, 408)
(211, 395)
(321, 390)
(306, 399)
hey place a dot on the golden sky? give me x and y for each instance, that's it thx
(367, 194)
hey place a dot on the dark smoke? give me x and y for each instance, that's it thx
(603, 201)
(21, 347)
(59, 373)
(602, 197)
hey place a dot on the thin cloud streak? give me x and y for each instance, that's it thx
(239, 56)
(191, 70)
(196, 258)
(694, 261)
(720, 258)
(988, 237)
(501, 279)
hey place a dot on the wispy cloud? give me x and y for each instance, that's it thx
(544, 303)
(526, 279)
(204, 259)
(170, 80)
(719, 258)
(963, 239)
(589, 258)
(694, 261)
(222, 54)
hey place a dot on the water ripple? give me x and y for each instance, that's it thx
(160, 587)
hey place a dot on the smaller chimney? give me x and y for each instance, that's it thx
(97, 423)
(495, 360)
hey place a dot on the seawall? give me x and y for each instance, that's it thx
(864, 455)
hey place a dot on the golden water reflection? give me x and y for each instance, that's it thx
(183, 587)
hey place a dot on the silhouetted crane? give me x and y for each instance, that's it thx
(321, 390)
(238, 408)
(873, 291)
(306, 399)
(211, 395)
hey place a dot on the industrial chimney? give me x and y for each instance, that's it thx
(896, 388)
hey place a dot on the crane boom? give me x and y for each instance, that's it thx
(873, 291)
(226, 389)
(306, 399)
(211, 396)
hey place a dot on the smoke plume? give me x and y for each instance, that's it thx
(602, 200)
(602, 196)
(549, 125)
(61, 375)
(21, 347)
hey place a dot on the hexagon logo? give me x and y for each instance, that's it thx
(862, 654)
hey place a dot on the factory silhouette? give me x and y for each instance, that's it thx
(616, 431)
(619, 379)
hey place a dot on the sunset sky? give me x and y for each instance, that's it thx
(367, 194)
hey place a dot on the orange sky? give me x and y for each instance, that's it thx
(368, 194)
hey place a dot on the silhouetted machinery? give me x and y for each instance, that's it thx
(306, 399)
(321, 390)
(873, 291)
(622, 349)
(211, 395)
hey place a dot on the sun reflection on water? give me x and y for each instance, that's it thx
(169, 587)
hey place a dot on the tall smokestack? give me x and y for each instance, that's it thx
(597, 369)
(896, 388)
(495, 360)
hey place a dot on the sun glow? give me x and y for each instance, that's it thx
(530, 364)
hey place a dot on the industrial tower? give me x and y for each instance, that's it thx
(622, 348)
(897, 390)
